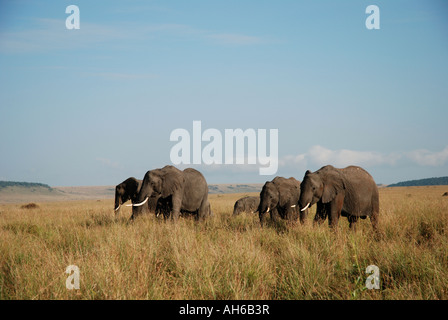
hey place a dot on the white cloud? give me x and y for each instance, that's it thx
(427, 158)
(320, 156)
(292, 160)
(344, 157)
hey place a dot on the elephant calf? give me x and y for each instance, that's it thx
(246, 204)
(279, 197)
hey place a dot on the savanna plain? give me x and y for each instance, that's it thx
(224, 257)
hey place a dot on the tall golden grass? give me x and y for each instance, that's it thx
(224, 257)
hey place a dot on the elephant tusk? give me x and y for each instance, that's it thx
(116, 209)
(306, 207)
(138, 204)
(267, 210)
(293, 206)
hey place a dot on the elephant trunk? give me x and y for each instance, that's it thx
(264, 207)
(305, 200)
(117, 203)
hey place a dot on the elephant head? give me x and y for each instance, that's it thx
(269, 198)
(322, 185)
(237, 208)
(151, 188)
(127, 190)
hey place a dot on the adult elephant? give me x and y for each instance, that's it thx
(184, 190)
(279, 197)
(246, 204)
(349, 192)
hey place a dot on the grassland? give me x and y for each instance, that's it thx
(224, 257)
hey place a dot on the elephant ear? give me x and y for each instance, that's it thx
(333, 184)
(171, 182)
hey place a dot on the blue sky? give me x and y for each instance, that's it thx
(96, 105)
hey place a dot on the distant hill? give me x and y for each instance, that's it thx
(17, 192)
(6, 184)
(422, 182)
(13, 192)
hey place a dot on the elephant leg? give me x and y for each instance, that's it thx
(352, 222)
(176, 213)
(333, 221)
(302, 215)
(203, 210)
(374, 220)
(290, 215)
(274, 214)
(166, 212)
(135, 212)
(335, 211)
(177, 203)
(295, 214)
(321, 213)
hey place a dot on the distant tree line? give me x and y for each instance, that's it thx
(5, 184)
(422, 182)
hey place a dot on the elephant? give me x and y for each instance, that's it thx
(280, 197)
(128, 190)
(246, 204)
(350, 192)
(185, 190)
